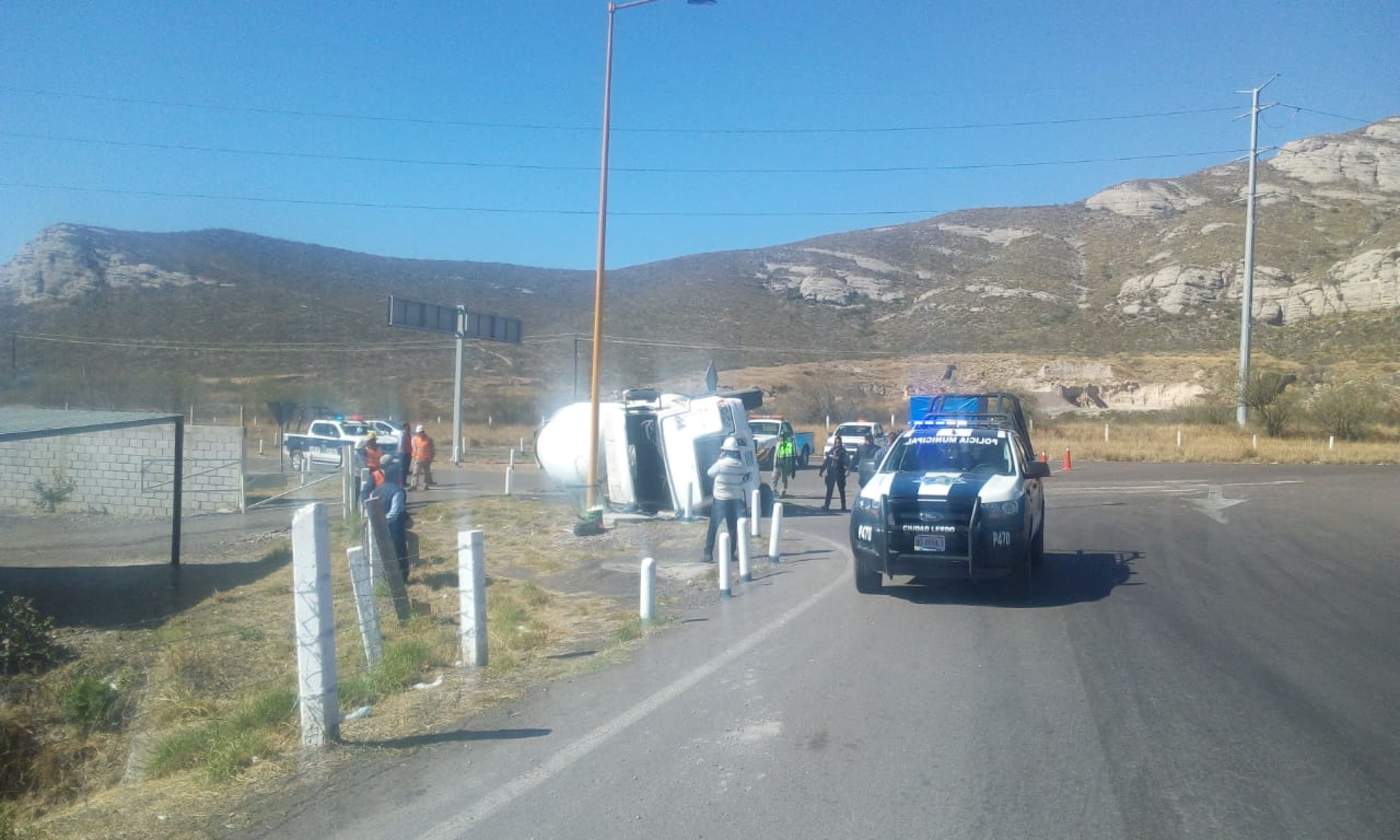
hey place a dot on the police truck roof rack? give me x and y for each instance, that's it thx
(996, 408)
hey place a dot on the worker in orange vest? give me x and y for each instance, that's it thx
(421, 447)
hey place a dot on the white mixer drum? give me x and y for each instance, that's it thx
(562, 444)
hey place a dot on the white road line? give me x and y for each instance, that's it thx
(460, 823)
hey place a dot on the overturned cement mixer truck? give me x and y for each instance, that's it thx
(654, 449)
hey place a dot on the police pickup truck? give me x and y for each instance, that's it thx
(956, 496)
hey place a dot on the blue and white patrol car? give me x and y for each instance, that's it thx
(957, 496)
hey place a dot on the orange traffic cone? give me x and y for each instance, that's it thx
(1067, 466)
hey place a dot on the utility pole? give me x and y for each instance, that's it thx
(457, 386)
(1247, 293)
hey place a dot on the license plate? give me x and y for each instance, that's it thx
(929, 542)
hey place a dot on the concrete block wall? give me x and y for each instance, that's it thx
(128, 472)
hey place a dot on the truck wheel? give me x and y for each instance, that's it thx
(1038, 546)
(805, 458)
(868, 581)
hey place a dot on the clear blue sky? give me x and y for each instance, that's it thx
(739, 63)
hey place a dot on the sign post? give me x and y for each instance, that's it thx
(462, 325)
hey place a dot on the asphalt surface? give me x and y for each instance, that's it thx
(1211, 651)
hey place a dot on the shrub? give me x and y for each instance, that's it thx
(1346, 409)
(90, 702)
(50, 496)
(27, 640)
(1273, 405)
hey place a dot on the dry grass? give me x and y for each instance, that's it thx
(1204, 444)
(207, 698)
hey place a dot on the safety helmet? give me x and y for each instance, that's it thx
(418, 429)
(731, 444)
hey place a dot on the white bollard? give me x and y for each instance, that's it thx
(755, 513)
(1331, 442)
(1105, 433)
(362, 583)
(647, 608)
(744, 574)
(689, 501)
(509, 471)
(1178, 437)
(775, 533)
(1254, 441)
(511, 463)
(314, 626)
(891, 421)
(439, 420)
(722, 561)
(260, 441)
(471, 591)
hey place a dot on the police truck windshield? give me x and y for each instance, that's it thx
(966, 450)
(764, 427)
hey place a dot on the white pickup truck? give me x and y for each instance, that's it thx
(324, 442)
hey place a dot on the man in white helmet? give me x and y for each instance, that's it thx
(730, 475)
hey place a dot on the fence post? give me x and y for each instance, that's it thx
(722, 560)
(755, 498)
(775, 533)
(314, 626)
(382, 556)
(362, 582)
(471, 595)
(744, 574)
(647, 608)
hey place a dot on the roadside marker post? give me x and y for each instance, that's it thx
(744, 574)
(1105, 433)
(509, 471)
(1331, 442)
(511, 462)
(361, 581)
(722, 561)
(260, 451)
(754, 499)
(1254, 442)
(314, 626)
(1178, 437)
(775, 533)
(471, 591)
(647, 607)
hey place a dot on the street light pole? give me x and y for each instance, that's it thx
(591, 494)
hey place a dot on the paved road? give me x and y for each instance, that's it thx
(1210, 652)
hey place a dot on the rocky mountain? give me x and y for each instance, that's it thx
(1149, 265)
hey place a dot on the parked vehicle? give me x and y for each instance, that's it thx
(324, 442)
(766, 433)
(655, 448)
(389, 434)
(852, 435)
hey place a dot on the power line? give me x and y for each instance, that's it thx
(531, 126)
(282, 153)
(450, 208)
(1323, 113)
